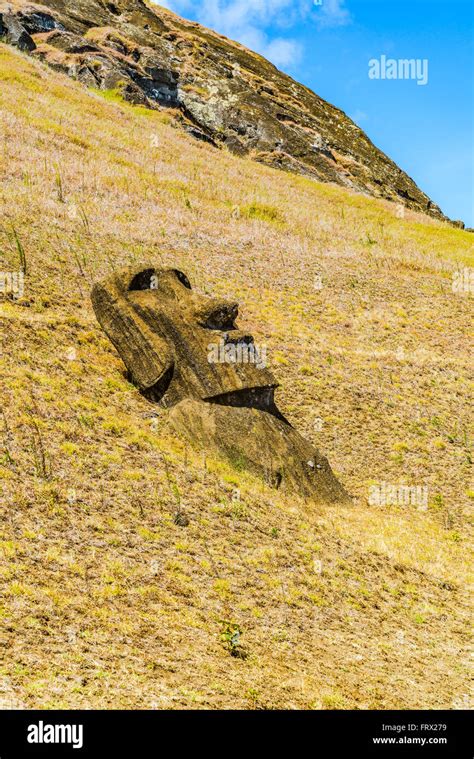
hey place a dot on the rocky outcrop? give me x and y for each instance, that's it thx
(227, 94)
(185, 352)
(13, 32)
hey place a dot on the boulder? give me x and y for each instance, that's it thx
(13, 32)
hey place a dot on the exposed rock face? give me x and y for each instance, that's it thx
(227, 94)
(13, 32)
(185, 352)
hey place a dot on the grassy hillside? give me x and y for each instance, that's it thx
(104, 600)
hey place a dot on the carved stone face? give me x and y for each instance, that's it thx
(177, 344)
(174, 344)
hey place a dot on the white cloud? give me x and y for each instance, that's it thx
(358, 117)
(233, 14)
(249, 21)
(252, 22)
(332, 13)
(283, 52)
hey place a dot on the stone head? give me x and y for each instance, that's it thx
(178, 344)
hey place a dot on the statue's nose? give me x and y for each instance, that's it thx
(238, 337)
(219, 314)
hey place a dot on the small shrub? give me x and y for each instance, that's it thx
(261, 211)
(230, 637)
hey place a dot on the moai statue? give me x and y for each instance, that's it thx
(185, 352)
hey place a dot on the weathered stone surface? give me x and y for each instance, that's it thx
(13, 32)
(164, 332)
(263, 444)
(227, 94)
(185, 352)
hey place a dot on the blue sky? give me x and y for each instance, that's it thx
(426, 129)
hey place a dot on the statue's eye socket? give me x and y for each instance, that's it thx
(144, 280)
(148, 279)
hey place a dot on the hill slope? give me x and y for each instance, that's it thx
(227, 94)
(105, 600)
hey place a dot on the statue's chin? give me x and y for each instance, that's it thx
(261, 442)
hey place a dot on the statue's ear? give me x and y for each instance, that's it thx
(146, 355)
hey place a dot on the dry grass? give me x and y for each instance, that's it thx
(105, 601)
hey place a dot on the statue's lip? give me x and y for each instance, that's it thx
(260, 398)
(243, 391)
(233, 336)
